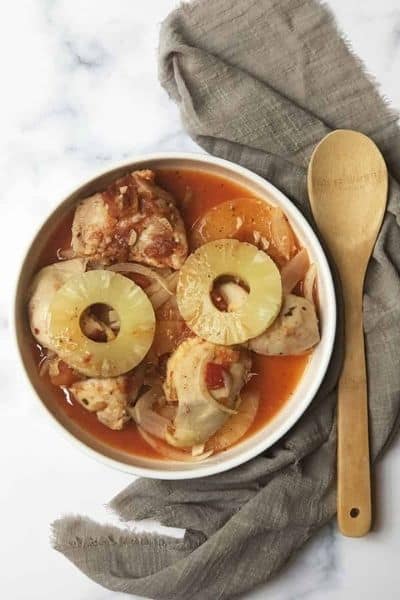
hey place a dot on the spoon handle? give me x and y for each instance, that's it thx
(354, 478)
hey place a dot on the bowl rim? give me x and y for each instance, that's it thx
(200, 469)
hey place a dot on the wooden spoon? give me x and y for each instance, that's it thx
(347, 185)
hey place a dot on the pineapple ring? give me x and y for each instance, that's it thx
(229, 257)
(101, 359)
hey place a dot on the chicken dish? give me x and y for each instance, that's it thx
(173, 313)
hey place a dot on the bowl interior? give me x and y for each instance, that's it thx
(292, 409)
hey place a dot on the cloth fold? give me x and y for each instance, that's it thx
(259, 83)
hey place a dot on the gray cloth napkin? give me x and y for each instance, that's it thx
(259, 83)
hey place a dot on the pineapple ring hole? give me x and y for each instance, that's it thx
(217, 297)
(99, 322)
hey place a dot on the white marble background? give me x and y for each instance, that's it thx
(79, 90)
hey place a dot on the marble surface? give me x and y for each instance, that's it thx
(80, 91)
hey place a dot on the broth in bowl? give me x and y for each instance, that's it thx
(173, 314)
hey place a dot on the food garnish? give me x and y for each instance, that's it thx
(238, 259)
(136, 318)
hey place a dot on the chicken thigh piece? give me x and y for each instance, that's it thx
(295, 331)
(42, 291)
(205, 380)
(110, 397)
(132, 220)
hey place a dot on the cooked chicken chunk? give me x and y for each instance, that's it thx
(205, 380)
(109, 398)
(44, 286)
(133, 220)
(294, 332)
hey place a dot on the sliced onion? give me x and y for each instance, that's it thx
(225, 390)
(168, 411)
(114, 319)
(169, 451)
(155, 285)
(92, 325)
(142, 270)
(172, 281)
(309, 283)
(45, 362)
(154, 424)
(294, 271)
(202, 387)
(66, 254)
(219, 393)
(44, 367)
(236, 427)
(144, 415)
(159, 296)
(233, 294)
(281, 233)
(198, 450)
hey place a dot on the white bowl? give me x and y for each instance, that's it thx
(295, 405)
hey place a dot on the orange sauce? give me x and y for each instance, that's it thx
(275, 377)
(197, 191)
